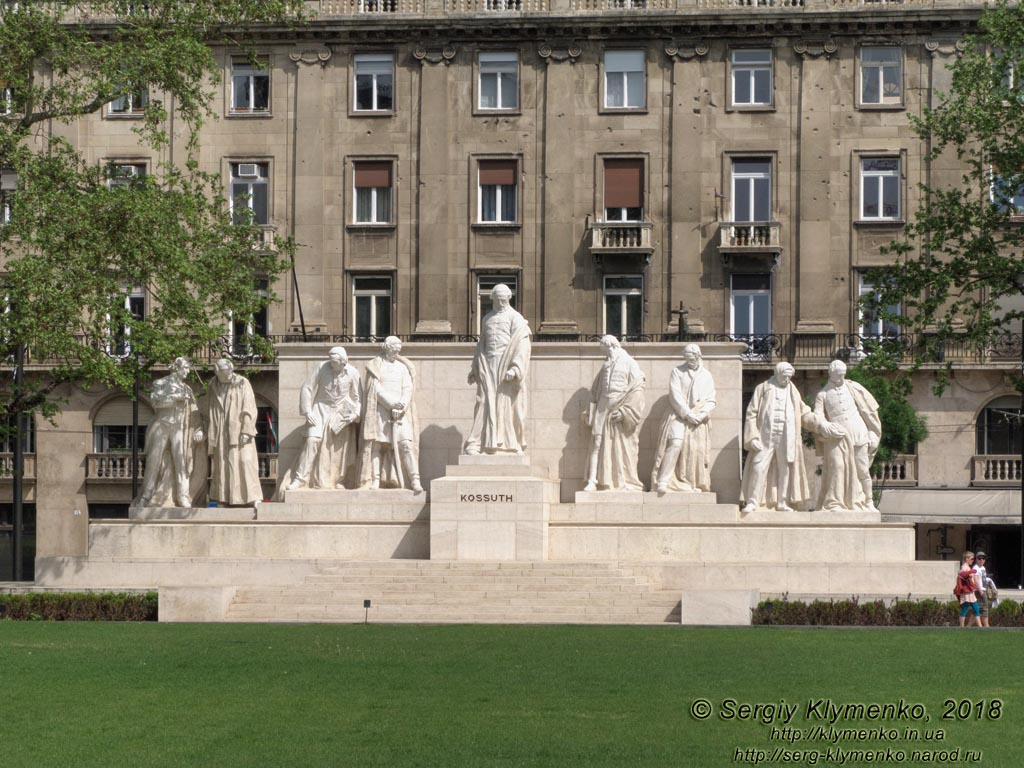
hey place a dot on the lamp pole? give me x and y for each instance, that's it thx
(1020, 433)
(19, 460)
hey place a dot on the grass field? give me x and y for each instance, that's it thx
(247, 695)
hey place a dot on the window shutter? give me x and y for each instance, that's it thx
(624, 183)
(118, 413)
(373, 174)
(497, 172)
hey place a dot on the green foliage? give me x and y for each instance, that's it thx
(74, 245)
(852, 613)
(958, 268)
(902, 427)
(79, 606)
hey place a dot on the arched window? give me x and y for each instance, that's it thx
(112, 426)
(998, 428)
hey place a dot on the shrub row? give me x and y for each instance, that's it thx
(79, 606)
(878, 613)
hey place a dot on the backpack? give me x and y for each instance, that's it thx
(963, 584)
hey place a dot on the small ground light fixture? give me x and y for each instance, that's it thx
(367, 604)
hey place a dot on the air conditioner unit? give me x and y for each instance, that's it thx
(248, 170)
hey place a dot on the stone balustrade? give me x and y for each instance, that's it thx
(900, 471)
(609, 237)
(755, 235)
(118, 466)
(7, 466)
(996, 470)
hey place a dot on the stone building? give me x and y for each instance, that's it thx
(613, 162)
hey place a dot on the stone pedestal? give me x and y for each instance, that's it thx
(491, 508)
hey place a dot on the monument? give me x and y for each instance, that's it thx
(774, 474)
(230, 435)
(499, 370)
(170, 440)
(390, 434)
(683, 459)
(614, 415)
(850, 431)
(330, 402)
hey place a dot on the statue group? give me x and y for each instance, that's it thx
(363, 431)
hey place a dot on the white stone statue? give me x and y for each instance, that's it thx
(230, 436)
(330, 401)
(390, 456)
(775, 474)
(683, 460)
(170, 439)
(614, 415)
(850, 430)
(499, 370)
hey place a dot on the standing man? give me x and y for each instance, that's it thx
(499, 370)
(771, 434)
(981, 577)
(616, 408)
(389, 427)
(684, 448)
(330, 403)
(170, 437)
(231, 434)
(851, 430)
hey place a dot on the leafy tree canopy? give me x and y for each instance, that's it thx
(958, 274)
(74, 245)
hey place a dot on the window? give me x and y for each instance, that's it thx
(485, 284)
(1008, 194)
(250, 193)
(870, 323)
(752, 77)
(624, 189)
(119, 343)
(250, 87)
(6, 100)
(124, 174)
(751, 305)
(372, 182)
(496, 201)
(132, 103)
(998, 429)
(881, 75)
(880, 188)
(623, 305)
(751, 189)
(112, 426)
(256, 324)
(375, 81)
(625, 85)
(266, 429)
(8, 187)
(499, 80)
(372, 306)
(28, 434)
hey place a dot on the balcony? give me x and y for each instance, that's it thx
(995, 471)
(7, 466)
(265, 240)
(899, 472)
(621, 239)
(117, 467)
(749, 237)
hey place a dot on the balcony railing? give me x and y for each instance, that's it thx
(621, 237)
(749, 235)
(7, 466)
(496, 6)
(117, 467)
(996, 470)
(900, 471)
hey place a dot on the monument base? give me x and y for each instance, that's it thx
(491, 507)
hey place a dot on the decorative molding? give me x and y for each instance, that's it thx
(945, 48)
(442, 56)
(686, 51)
(320, 57)
(558, 52)
(816, 48)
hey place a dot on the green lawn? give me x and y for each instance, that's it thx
(81, 694)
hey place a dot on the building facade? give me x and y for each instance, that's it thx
(620, 164)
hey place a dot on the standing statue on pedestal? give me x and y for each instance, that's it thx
(775, 475)
(330, 402)
(389, 427)
(616, 408)
(230, 436)
(850, 430)
(170, 439)
(683, 461)
(499, 371)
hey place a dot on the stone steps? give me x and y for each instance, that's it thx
(461, 592)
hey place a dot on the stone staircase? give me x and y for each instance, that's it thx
(426, 591)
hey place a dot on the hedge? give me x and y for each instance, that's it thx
(878, 613)
(79, 606)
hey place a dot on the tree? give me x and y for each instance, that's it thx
(77, 238)
(958, 273)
